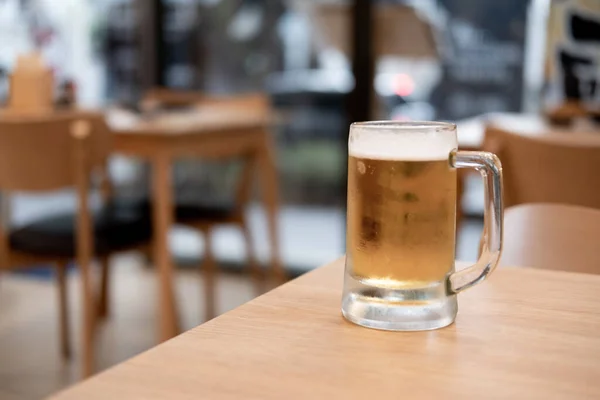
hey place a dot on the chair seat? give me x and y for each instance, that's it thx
(117, 226)
(188, 211)
(192, 205)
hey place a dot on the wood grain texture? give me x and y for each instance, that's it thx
(522, 334)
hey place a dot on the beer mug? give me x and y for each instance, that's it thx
(401, 233)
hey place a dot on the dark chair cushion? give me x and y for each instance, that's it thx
(195, 205)
(119, 225)
(209, 212)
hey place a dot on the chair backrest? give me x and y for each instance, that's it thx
(549, 168)
(552, 236)
(167, 98)
(37, 150)
(257, 102)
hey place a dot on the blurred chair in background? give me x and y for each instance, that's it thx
(45, 153)
(552, 236)
(223, 128)
(548, 168)
(194, 209)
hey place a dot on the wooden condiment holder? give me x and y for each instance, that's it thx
(31, 85)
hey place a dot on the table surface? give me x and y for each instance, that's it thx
(200, 119)
(522, 334)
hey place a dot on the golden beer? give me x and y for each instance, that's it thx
(401, 221)
(400, 239)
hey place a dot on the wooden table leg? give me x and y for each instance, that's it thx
(270, 189)
(208, 272)
(163, 221)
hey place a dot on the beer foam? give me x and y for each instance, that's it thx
(397, 141)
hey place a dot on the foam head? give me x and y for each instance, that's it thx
(408, 141)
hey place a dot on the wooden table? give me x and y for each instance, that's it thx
(207, 132)
(471, 131)
(527, 334)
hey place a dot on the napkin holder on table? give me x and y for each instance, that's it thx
(31, 85)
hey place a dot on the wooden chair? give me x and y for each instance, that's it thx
(552, 236)
(549, 168)
(203, 215)
(44, 153)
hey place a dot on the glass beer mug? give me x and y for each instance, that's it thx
(401, 233)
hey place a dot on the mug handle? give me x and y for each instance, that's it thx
(490, 168)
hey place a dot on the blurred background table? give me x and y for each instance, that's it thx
(206, 131)
(471, 131)
(513, 338)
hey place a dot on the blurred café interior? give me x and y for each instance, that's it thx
(165, 161)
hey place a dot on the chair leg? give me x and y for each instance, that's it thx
(104, 282)
(208, 269)
(65, 342)
(253, 266)
(89, 321)
(148, 255)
